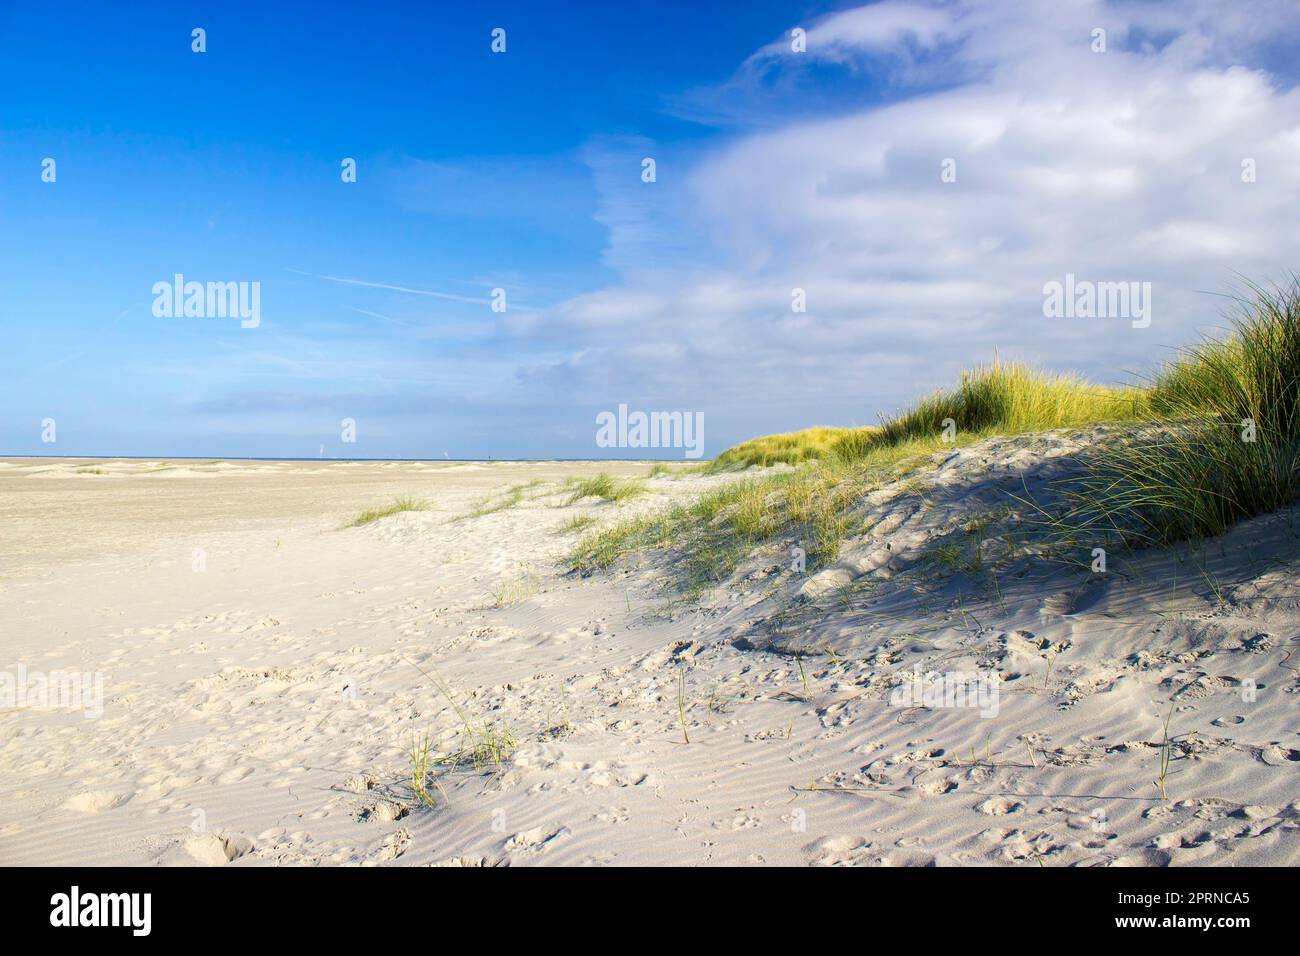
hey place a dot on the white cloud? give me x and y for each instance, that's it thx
(1123, 165)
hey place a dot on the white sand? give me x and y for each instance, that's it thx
(258, 711)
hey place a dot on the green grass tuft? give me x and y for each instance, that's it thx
(577, 523)
(606, 487)
(503, 501)
(398, 505)
(1224, 442)
(1010, 398)
(790, 447)
(810, 505)
(1211, 439)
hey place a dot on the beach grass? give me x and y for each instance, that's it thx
(482, 742)
(399, 505)
(789, 447)
(1211, 438)
(576, 523)
(605, 487)
(1223, 442)
(503, 501)
(718, 529)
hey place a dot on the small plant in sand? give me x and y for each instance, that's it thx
(482, 743)
(513, 590)
(681, 700)
(1166, 754)
(422, 758)
(503, 501)
(1050, 657)
(725, 693)
(1030, 750)
(577, 523)
(399, 505)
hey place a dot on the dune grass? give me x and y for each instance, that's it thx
(1002, 398)
(788, 447)
(1010, 398)
(713, 533)
(575, 524)
(399, 504)
(606, 487)
(1223, 443)
(503, 501)
(836, 467)
(482, 743)
(1212, 438)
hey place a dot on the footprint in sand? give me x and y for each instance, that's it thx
(96, 801)
(394, 845)
(1000, 806)
(533, 840)
(839, 851)
(212, 850)
(233, 775)
(1144, 858)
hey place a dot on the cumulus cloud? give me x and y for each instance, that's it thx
(1125, 165)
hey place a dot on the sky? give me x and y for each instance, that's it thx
(919, 170)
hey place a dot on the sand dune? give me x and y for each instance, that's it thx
(259, 703)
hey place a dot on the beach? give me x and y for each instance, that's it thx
(267, 667)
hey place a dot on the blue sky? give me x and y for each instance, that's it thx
(522, 171)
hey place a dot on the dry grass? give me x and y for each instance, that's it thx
(606, 487)
(399, 505)
(789, 447)
(1213, 438)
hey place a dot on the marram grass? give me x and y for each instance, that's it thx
(1223, 443)
(398, 505)
(1003, 398)
(789, 447)
(1211, 439)
(1010, 398)
(606, 487)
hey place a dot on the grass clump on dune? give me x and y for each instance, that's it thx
(576, 523)
(811, 505)
(606, 487)
(1225, 441)
(1004, 398)
(788, 447)
(1211, 439)
(398, 505)
(836, 467)
(504, 501)
(1010, 398)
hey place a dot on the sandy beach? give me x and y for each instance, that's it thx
(266, 669)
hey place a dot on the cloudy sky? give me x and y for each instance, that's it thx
(1170, 157)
